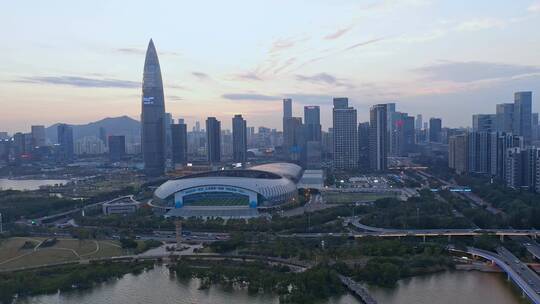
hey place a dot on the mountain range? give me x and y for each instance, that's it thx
(122, 125)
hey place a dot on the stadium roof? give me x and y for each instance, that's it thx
(288, 170)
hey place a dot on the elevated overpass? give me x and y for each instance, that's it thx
(384, 232)
(519, 273)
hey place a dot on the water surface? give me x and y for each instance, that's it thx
(157, 286)
(28, 184)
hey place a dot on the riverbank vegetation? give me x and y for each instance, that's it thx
(372, 260)
(64, 278)
(314, 285)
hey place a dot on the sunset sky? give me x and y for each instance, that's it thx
(80, 61)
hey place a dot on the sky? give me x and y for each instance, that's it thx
(81, 61)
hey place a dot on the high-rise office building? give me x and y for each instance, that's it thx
(505, 117)
(479, 149)
(295, 139)
(531, 155)
(313, 154)
(457, 153)
(239, 129)
(226, 144)
(20, 150)
(535, 127)
(485, 123)
(435, 128)
(500, 143)
(287, 107)
(38, 136)
(341, 102)
(363, 146)
(287, 131)
(153, 115)
(392, 117)
(179, 143)
(168, 136)
(523, 115)
(514, 168)
(327, 143)
(213, 140)
(537, 185)
(65, 142)
(345, 135)
(378, 137)
(312, 122)
(103, 136)
(117, 147)
(402, 136)
(418, 123)
(406, 135)
(521, 168)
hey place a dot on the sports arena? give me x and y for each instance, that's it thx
(237, 193)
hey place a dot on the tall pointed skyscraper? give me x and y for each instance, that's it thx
(153, 115)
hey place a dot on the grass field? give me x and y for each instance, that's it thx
(343, 198)
(12, 255)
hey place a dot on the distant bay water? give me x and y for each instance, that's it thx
(28, 184)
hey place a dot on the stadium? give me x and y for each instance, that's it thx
(238, 193)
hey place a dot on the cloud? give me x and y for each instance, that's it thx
(480, 24)
(248, 76)
(285, 43)
(200, 75)
(388, 5)
(323, 78)
(474, 71)
(141, 51)
(310, 99)
(364, 43)
(338, 33)
(282, 44)
(81, 82)
(250, 96)
(177, 86)
(131, 51)
(534, 8)
(174, 98)
(305, 99)
(285, 65)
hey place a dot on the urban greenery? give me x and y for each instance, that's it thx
(64, 278)
(416, 213)
(521, 207)
(314, 285)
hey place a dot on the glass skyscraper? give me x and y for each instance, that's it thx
(153, 115)
(213, 140)
(523, 115)
(239, 139)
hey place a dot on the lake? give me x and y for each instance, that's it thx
(157, 286)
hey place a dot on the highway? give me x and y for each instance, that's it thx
(521, 275)
(70, 212)
(435, 232)
(532, 246)
(475, 199)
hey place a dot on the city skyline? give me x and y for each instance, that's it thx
(345, 54)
